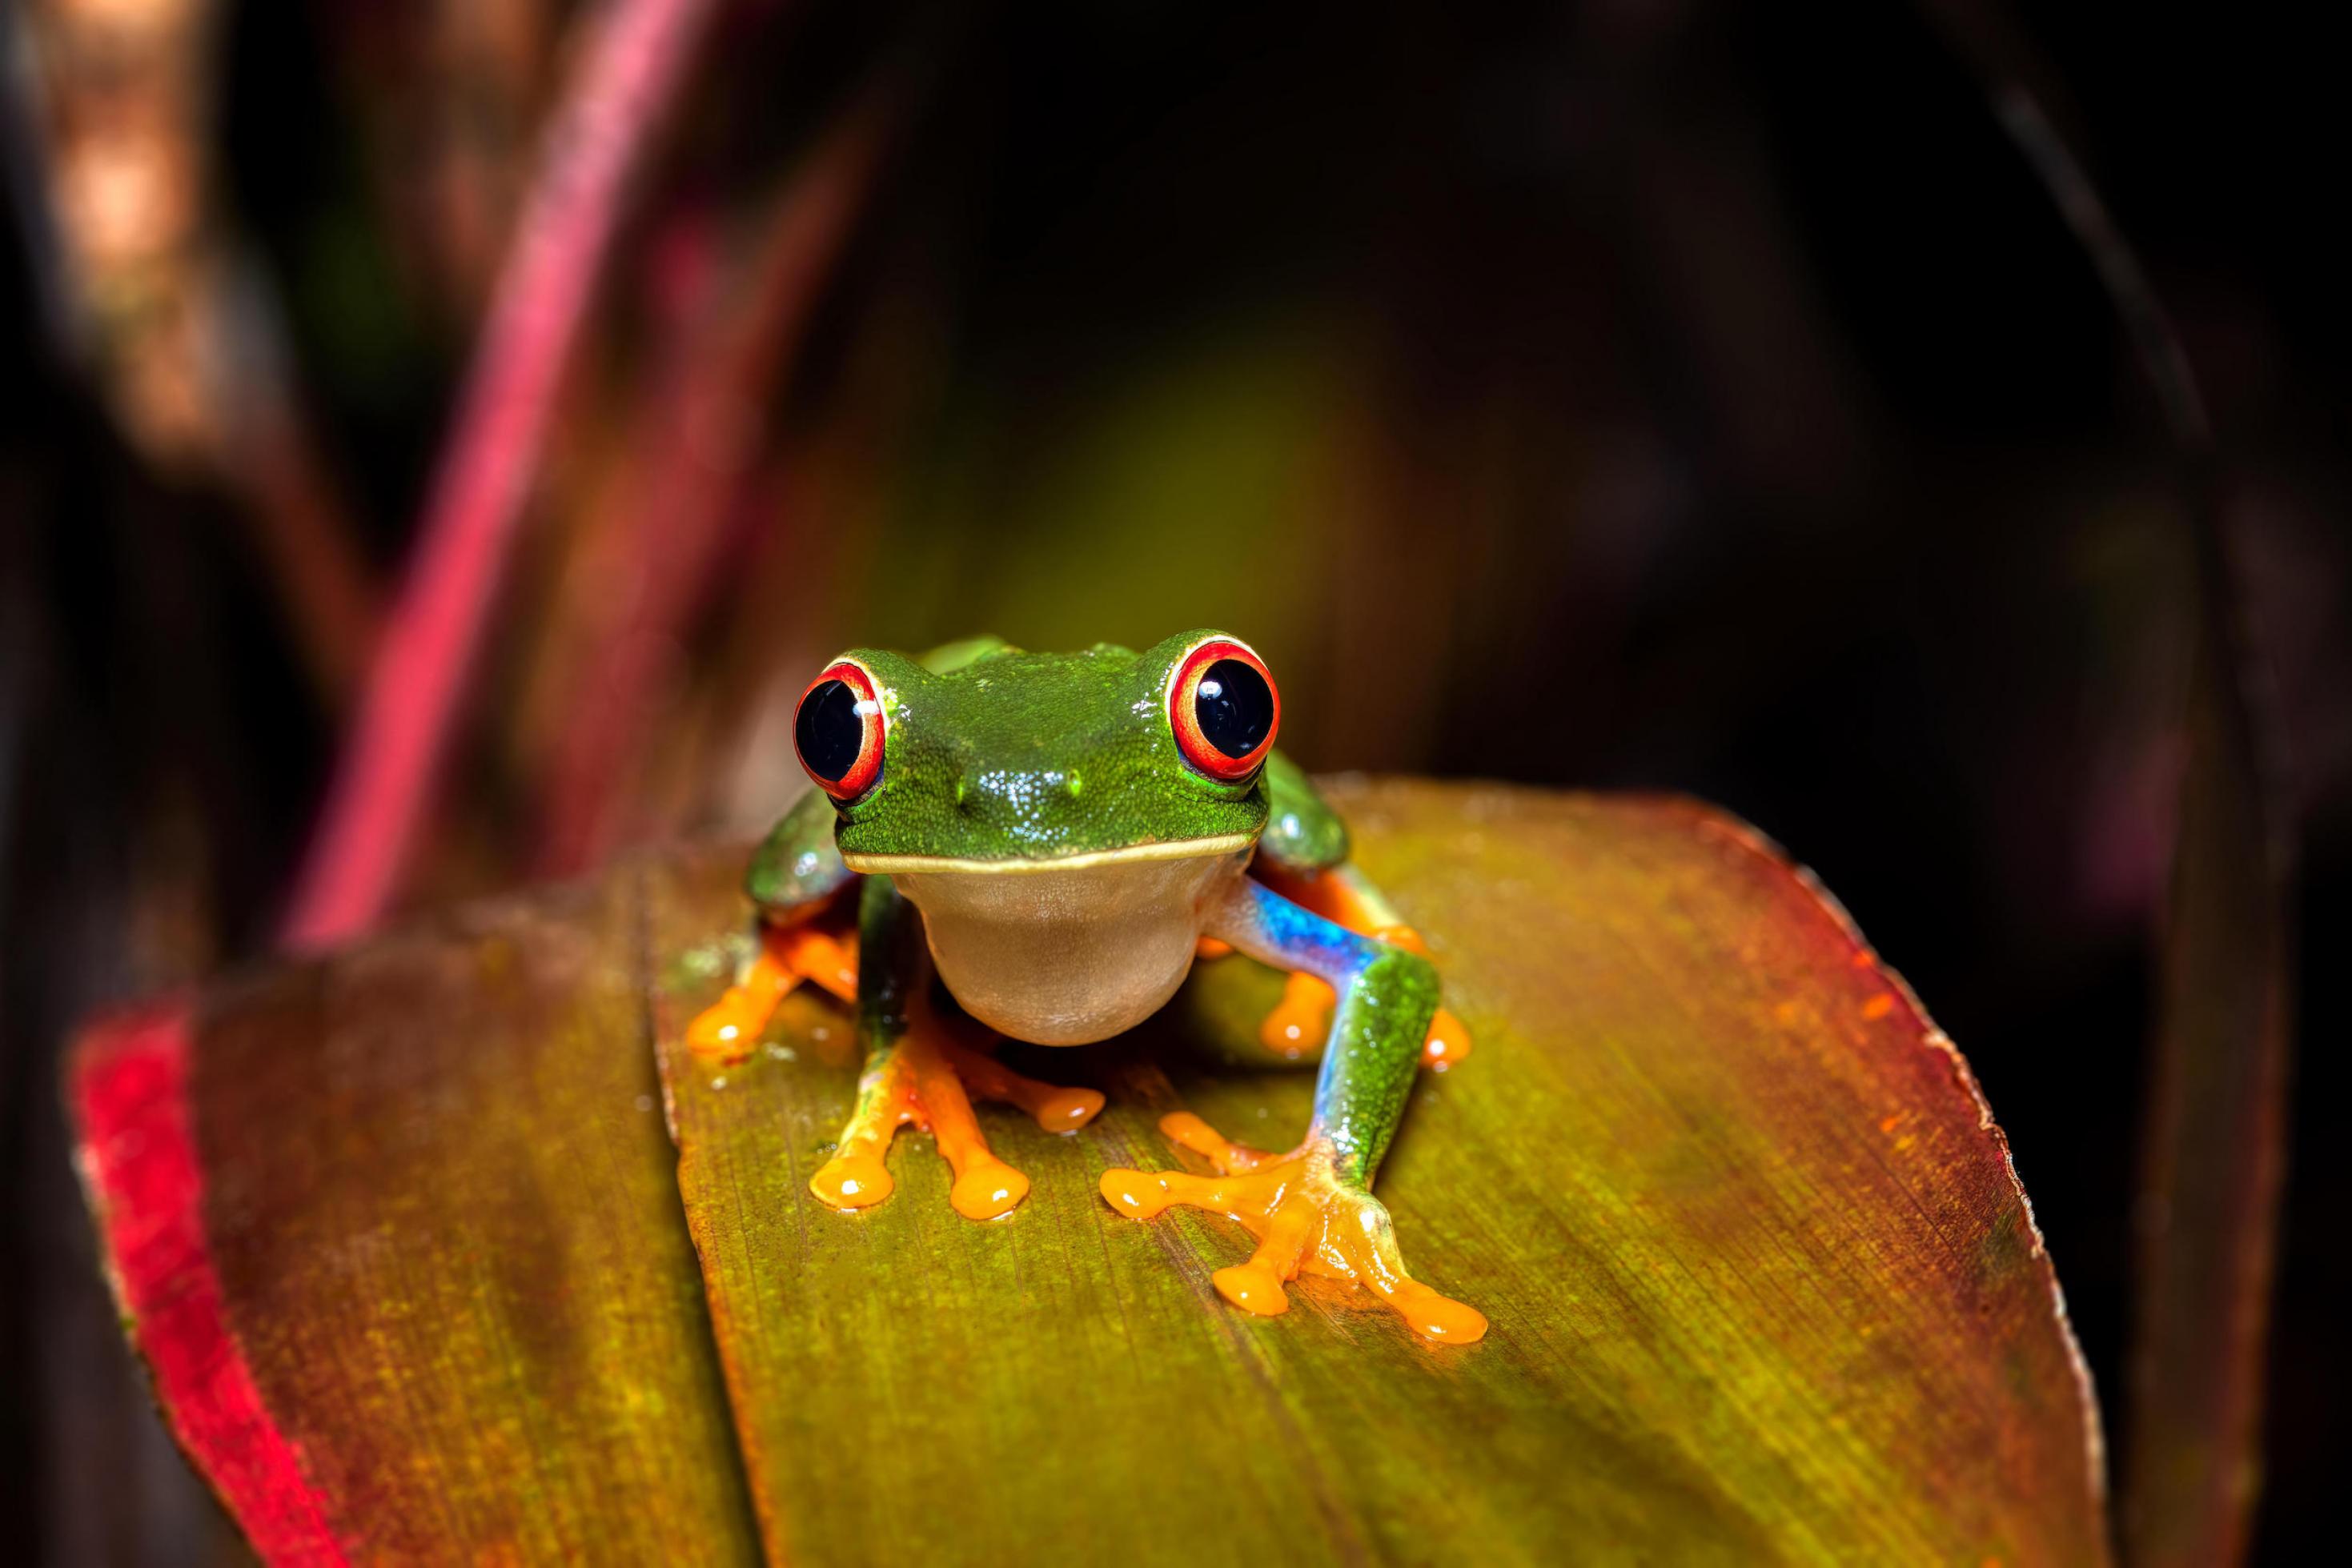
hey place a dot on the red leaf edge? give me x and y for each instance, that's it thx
(136, 1151)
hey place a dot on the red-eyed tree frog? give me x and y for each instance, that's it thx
(1054, 838)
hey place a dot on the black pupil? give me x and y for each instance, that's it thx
(1234, 706)
(829, 731)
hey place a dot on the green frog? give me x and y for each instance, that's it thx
(1055, 838)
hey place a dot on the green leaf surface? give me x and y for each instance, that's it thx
(1762, 1283)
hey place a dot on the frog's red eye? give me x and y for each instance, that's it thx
(838, 731)
(1224, 709)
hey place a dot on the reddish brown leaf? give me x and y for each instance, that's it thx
(425, 1190)
(1762, 1280)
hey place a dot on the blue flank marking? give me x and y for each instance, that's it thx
(1328, 951)
(1359, 1128)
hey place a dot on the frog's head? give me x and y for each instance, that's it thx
(1058, 818)
(1014, 758)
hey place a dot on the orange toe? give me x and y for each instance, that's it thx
(1187, 1130)
(1067, 1110)
(1253, 1288)
(1138, 1194)
(1300, 1021)
(988, 1188)
(724, 1032)
(1437, 1317)
(852, 1181)
(1448, 1042)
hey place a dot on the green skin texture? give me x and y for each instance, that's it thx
(993, 754)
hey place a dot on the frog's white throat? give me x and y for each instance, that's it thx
(1070, 951)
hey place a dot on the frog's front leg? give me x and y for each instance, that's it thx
(918, 1073)
(1312, 1209)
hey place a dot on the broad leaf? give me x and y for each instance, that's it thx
(1762, 1285)
(424, 1187)
(1761, 1281)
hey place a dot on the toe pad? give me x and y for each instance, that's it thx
(988, 1188)
(852, 1181)
(1253, 1288)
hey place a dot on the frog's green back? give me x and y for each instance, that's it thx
(950, 657)
(1303, 833)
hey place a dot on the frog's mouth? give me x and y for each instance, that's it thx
(1067, 951)
(958, 866)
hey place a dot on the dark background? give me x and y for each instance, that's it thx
(1696, 396)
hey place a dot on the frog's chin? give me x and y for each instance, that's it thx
(1069, 951)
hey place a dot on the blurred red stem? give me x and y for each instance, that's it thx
(312, 548)
(634, 58)
(664, 528)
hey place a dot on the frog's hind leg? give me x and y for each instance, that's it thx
(1312, 1209)
(1345, 896)
(917, 1073)
(787, 954)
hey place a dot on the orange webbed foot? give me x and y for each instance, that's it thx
(1306, 1221)
(930, 1082)
(724, 1032)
